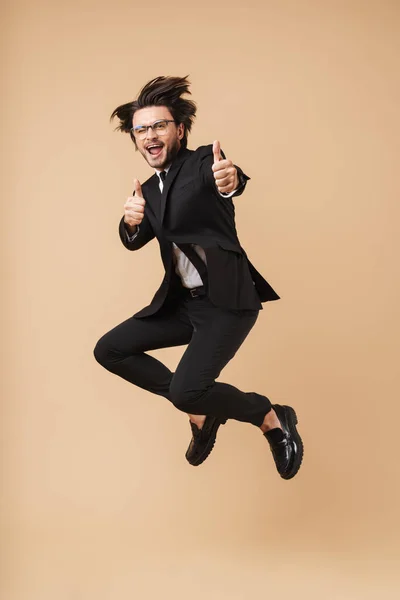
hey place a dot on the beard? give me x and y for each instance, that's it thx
(166, 156)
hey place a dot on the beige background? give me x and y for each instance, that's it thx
(97, 500)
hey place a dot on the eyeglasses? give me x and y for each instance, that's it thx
(159, 127)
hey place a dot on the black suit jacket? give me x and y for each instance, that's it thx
(191, 210)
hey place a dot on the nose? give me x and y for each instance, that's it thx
(150, 134)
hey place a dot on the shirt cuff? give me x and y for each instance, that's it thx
(227, 194)
(132, 237)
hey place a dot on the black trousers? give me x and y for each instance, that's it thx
(213, 336)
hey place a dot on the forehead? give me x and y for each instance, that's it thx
(147, 116)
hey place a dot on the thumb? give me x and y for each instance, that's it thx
(137, 188)
(217, 151)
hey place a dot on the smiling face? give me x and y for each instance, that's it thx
(158, 150)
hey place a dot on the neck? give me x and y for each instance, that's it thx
(168, 166)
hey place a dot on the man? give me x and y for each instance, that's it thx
(210, 295)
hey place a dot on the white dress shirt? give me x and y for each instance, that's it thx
(188, 273)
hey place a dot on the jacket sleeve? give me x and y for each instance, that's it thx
(206, 172)
(144, 236)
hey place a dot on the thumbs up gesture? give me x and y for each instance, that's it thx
(134, 206)
(225, 173)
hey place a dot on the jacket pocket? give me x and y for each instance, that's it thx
(230, 246)
(186, 187)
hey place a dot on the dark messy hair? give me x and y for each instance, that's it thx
(161, 91)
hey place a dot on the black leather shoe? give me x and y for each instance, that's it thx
(203, 440)
(286, 445)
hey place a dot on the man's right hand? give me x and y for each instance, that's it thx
(134, 206)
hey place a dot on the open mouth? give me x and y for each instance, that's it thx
(154, 149)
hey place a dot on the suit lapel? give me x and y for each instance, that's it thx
(153, 194)
(172, 173)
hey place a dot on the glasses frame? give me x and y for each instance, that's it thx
(133, 129)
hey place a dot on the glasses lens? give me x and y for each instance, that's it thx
(139, 132)
(161, 127)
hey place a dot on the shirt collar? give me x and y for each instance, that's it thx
(158, 172)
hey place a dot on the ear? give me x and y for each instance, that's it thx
(181, 131)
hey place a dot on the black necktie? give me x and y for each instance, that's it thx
(163, 176)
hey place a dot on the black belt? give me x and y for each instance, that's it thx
(196, 292)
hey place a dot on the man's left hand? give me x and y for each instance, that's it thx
(225, 173)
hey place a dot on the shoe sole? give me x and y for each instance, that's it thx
(209, 446)
(298, 458)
